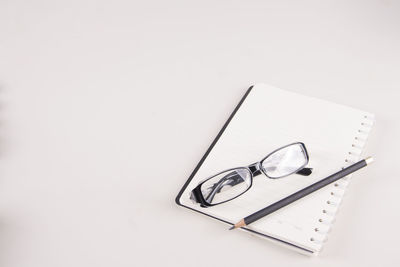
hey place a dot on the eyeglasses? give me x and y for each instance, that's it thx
(232, 183)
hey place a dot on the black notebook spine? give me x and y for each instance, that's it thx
(211, 146)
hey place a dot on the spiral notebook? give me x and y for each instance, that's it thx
(265, 119)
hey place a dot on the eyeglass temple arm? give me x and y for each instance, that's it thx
(236, 179)
(305, 171)
(218, 186)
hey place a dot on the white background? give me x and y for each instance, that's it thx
(107, 106)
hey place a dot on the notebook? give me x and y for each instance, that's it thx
(268, 118)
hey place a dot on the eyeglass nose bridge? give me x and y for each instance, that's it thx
(255, 169)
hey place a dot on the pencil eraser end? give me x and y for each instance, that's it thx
(369, 160)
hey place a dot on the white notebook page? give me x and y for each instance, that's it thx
(268, 119)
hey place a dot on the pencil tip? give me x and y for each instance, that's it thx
(241, 223)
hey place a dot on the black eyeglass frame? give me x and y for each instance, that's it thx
(254, 169)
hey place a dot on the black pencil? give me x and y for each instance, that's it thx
(302, 193)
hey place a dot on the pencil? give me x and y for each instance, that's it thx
(301, 193)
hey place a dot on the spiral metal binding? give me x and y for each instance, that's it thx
(324, 223)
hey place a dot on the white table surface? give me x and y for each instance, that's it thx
(107, 106)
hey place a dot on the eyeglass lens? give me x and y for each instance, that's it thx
(226, 186)
(285, 161)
